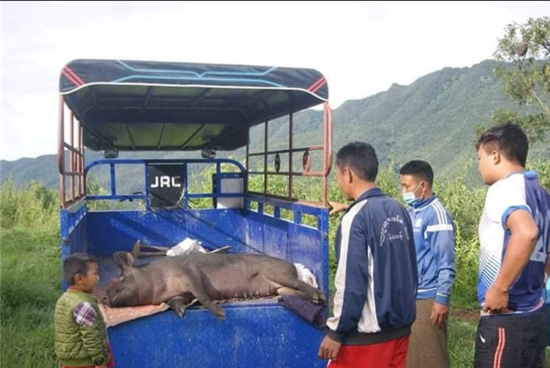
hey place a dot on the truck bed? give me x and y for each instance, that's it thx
(257, 332)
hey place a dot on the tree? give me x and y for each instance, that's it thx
(525, 49)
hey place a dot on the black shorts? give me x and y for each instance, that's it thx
(512, 341)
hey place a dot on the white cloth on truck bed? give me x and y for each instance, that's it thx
(306, 275)
(186, 247)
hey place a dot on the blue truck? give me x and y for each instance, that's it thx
(136, 106)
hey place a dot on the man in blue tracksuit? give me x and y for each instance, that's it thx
(376, 278)
(435, 256)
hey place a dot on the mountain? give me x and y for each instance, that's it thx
(435, 119)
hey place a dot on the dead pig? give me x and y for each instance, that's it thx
(206, 277)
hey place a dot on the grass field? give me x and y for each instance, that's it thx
(30, 286)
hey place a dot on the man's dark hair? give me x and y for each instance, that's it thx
(419, 169)
(76, 263)
(359, 157)
(509, 139)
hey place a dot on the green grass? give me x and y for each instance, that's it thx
(461, 337)
(30, 286)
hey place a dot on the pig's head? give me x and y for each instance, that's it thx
(123, 292)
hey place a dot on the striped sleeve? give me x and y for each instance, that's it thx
(439, 235)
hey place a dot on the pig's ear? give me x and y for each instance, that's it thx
(124, 259)
(136, 249)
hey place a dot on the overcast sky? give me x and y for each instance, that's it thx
(361, 48)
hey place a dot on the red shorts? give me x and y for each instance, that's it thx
(389, 354)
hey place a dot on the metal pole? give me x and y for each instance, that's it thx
(247, 163)
(290, 147)
(325, 142)
(83, 163)
(328, 142)
(265, 157)
(80, 162)
(78, 158)
(71, 156)
(61, 151)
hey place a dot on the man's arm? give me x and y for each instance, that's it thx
(336, 207)
(524, 234)
(441, 240)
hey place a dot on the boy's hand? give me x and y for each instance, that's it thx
(101, 366)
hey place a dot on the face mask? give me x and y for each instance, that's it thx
(410, 198)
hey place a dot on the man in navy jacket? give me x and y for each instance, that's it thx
(376, 278)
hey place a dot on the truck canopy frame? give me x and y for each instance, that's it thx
(118, 105)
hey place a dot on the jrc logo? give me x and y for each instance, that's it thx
(166, 182)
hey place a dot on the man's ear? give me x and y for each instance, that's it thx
(424, 186)
(348, 175)
(496, 157)
(123, 259)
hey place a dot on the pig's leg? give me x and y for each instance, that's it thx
(302, 286)
(180, 303)
(203, 298)
(285, 275)
(300, 289)
(198, 284)
(286, 291)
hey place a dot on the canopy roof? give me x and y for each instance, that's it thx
(139, 105)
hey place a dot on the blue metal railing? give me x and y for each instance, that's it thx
(114, 195)
(298, 209)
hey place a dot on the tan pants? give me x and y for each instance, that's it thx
(428, 344)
